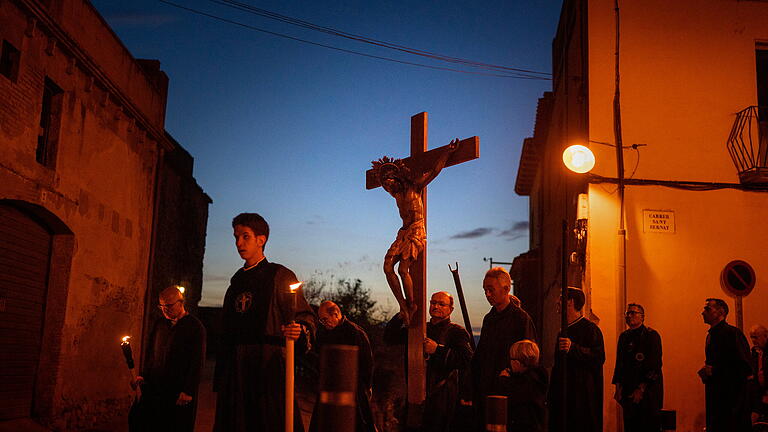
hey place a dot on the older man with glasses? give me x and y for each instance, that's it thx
(637, 376)
(448, 354)
(171, 372)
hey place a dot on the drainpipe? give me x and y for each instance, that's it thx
(621, 267)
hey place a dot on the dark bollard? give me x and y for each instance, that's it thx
(496, 414)
(338, 384)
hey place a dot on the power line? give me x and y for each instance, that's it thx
(329, 30)
(517, 75)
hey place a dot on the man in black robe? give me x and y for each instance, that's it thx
(637, 376)
(582, 350)
(725, 372)
(260, 310)
(171, 373)
(336, 329)
(504, 325)
(448, 354)
(759, 388)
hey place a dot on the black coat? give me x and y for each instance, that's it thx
(584, 379)
(444, 366)
(526, 394)
(638, 365)
(757, 389)
(349, 333)
(250, 367)
(174, 361)
(726, 392)
(500, 330)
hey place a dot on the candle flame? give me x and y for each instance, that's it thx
(126, 339)
(181, 289)
(295, 286)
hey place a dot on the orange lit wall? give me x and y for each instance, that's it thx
(686, 69)
(101, 187)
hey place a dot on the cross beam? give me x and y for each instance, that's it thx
(420, 161)
(468, 150)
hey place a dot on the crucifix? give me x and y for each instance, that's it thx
(406, 180)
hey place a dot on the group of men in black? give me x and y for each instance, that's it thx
(259, 313)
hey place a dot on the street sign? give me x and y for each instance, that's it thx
(738, 278)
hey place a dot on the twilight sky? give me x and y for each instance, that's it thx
(288, 129)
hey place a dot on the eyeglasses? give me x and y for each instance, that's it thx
(437, 303)
(630, 313)
(168, 306)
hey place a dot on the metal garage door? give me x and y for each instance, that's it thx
(25, 248)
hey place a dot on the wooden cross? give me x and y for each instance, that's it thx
(420, 161)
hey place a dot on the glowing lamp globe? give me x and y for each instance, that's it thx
(579, 159)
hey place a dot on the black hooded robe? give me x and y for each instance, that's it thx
(250, 369)
(349, 333)
(584, 379)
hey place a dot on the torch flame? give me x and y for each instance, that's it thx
(295, 286)
(126, 339)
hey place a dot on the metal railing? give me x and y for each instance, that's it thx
(748, 144)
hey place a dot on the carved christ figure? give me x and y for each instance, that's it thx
(405, 186)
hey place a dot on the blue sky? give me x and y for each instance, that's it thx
(288, 129)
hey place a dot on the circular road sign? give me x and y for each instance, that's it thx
(738, 278)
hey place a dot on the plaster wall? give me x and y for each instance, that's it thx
(101, 187)
(685, 71)
(672, 274)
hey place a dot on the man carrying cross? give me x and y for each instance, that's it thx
(398, 180)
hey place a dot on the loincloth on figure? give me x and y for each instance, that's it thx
(410, 241)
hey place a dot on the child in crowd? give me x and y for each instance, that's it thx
(524, 384)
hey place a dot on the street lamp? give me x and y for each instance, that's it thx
(578, 159)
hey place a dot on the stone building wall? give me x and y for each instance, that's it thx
(94, 189)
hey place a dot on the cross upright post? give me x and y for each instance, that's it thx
(422, 162)
(417, 377)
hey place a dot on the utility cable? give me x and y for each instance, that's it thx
(335, 32)
(517, 75)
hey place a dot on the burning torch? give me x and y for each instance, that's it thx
(289, 363)
(127, 352)
(125, 346)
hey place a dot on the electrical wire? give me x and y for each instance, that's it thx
(359, 38)
(516, 75)
(681, 184)
(637, 161)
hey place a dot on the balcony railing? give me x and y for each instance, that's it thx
(748, 145)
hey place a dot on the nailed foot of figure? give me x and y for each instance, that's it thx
(407, 312)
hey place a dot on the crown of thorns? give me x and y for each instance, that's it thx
(387, 165)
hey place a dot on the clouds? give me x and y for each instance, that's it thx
(316, 220)
(471, 234)
(517, 230)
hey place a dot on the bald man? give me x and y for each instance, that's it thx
(171, 372)
(336, 329)
(448, 356)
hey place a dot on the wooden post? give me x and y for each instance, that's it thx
(289, 365)
(496, 414)
(338, 385)
(417, 384)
